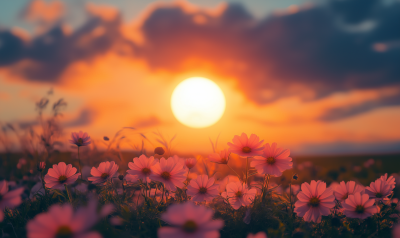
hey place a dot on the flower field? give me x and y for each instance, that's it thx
(248, 188)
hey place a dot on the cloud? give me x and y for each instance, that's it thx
(311, 52)
(42, 12)
(85, 117)
(150, 121)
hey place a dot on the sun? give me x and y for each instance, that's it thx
(198, 102)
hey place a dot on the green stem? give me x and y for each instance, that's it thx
(233, 171)
(69, 195)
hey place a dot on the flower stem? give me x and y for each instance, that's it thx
(233, 171)
(69, 195)
(80, 167)
(247, 171)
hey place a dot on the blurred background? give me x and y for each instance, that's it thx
(317, 77)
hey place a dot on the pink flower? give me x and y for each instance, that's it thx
(396, 231)
(142, 167)
(41, 166)
(314, 200)
(80, 138)
(239, 195)
(9, 199)
(258, 235)
(62, 221)
(170, 173)
(343, 190)
(202, 189)
(190, 163)
(359, 206)
(380, 189)
(220, 158)
(274, 161)
(246, 147)
(105, 171)
(228, 179)
(59, 175)
(189, 221)
(391, 181)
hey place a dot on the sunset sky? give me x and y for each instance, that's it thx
(317, 77)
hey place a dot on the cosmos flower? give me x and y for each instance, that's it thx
(380, 189)
(62, 221)
(314, 200)
(246, 147)
(239, 195)
(343, 190)
(80, 138)
(202, 189)
(59, 175)
(220, 158)
(359, 206)
(190, 163)
(142, 167)
(273, 162)
(391, 181)
(189, 221)
(9, 199)
(258, 235)
(170, 173)
(105, 171)
(228, 179)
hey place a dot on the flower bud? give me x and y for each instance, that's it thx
(121, 177)
(41, 166)
(159, 151)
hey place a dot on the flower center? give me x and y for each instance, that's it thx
(165, 175)
(314, 202)
(360, 209)
(378, 195)
(190, 226)
(238, 194)
(80, 141)
(270, 160)
(246, 149)
(203, 190)
(223, 160)
(146, 171)
(345, 196)
(64, 232)
(104, 175)
(62, 178)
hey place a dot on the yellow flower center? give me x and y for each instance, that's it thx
(104, 175)
(190, 226)
(203, 190)
(271, 160)
(360, 209)
(378, 195)
(64, 232)
(80, 141)
(146, 171)
(62, 178)
(238, 194)
(165, 175)
(246, 149)
(314, 202)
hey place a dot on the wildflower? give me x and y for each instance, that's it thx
(258, 235)
(80, 139)
(274, 161)
(239, 195)
(202, 189)
(391, 181)
(220, 158)
(170, 173)
(359, 206)
(41, 166)
(59, 175)
(228, 179)
(190, 163)
(142, 167)
(314, 200)
(380, 189)
(246, 147)
(188, 220)
(62, 221)
(105, 171)
(9, 199)
(343, 190)
(159, 151)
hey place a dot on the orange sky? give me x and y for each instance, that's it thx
(119, 88)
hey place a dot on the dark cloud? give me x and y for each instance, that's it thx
(86, 117)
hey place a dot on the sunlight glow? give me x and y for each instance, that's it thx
(198, 102)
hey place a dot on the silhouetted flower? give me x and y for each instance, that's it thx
(105, 171)
(273, 162)
(80, 138)
(246, 147)
(106, 138)
(314, 200)
(41, 166)
(188, 220)
(59, 175)
(220, 158)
